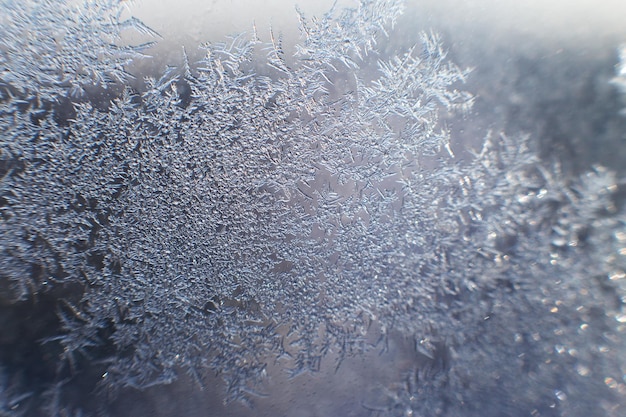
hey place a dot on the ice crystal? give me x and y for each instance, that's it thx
(222, 218)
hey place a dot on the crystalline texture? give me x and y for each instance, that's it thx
(278, 216)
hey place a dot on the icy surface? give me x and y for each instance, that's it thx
(255, 211)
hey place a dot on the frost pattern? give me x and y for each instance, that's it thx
(225, 219)
(38, 53)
